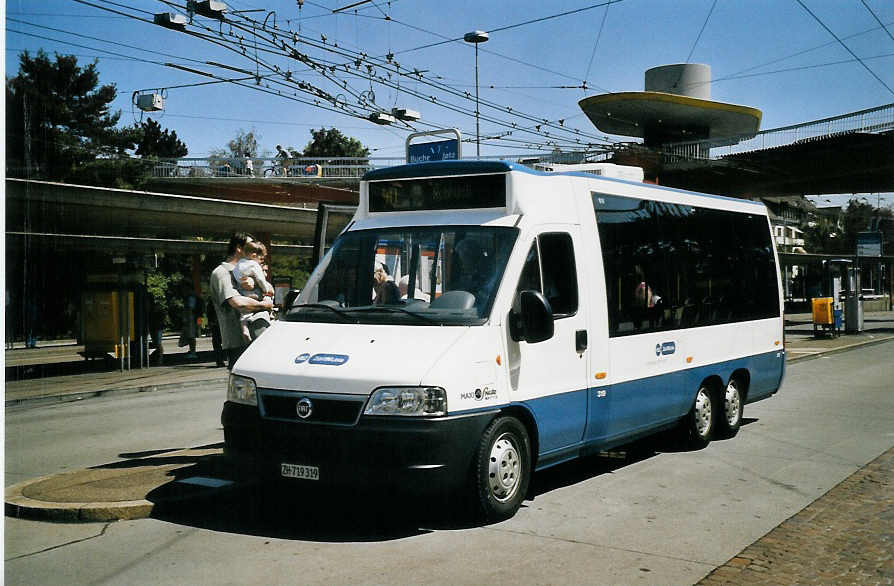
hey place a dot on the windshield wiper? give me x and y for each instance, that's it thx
(341, 313)
(396, 309)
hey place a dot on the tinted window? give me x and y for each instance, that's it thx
(670, 266)
(550, 269)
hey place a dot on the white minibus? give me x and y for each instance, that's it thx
(478, 321)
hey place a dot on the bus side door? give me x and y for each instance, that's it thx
(550, 377)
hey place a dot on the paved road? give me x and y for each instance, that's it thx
(669, 517)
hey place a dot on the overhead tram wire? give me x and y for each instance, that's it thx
(256, 30)
(315, 103)
(86, 3)
(324, 97)
(596, 43)
(235, 81)
(138, 59)
(128, 57)
(799, 53)
(54, 15)
(848, 49)
(103, 40)
(259, 31)
(502, 56)
(71, 44)
(346, 53)
(800, 68)
(699, 35)
(877, 19)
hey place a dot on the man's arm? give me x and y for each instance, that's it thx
(244, 304)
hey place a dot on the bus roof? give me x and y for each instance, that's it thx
(469, 167)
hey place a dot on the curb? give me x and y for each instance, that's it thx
(18, 505)
(81, 395)
(838, 350)
(21, 507)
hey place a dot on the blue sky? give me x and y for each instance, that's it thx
(767, 54)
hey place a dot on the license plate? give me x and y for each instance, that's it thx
(299, 471)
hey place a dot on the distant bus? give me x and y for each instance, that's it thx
(543, 317)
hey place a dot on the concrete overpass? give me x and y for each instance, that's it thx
(84, 218)
(62, 240)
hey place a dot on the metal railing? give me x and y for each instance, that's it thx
(316, 168)
(266, 167)
(872, 120)
(313, 169)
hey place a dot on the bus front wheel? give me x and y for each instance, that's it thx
(702, 419)
(503, 468)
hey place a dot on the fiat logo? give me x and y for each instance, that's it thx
(304, 408)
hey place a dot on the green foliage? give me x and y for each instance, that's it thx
(118, 173)
(58, 117)
(332, 143)
(160, 285)
(155, 143)
(859, 216)
(242, 145)
(822, 238)
(297, 267)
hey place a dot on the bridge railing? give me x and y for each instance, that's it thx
(872, 120)
(266, 167)
(312, 168)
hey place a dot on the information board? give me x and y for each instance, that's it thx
(442, 150)
(869, 244)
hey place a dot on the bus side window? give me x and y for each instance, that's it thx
(530, 277)
(559, 273)
(550, 269)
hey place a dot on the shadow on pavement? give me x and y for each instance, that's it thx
(351, 514)
(588, 467)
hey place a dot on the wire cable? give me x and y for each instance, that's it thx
(877, 19)
(699, 35)
(848, 49)
(596, 44)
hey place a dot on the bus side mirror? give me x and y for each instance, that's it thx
(531, 318)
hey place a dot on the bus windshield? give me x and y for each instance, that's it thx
(446, 275)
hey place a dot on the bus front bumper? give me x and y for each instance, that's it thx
(410, 453)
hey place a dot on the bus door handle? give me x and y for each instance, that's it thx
(580, 341)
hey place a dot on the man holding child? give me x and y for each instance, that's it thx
(229, 303)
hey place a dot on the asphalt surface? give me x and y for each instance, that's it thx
(853, 524)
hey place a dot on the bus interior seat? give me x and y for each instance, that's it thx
(456, 299)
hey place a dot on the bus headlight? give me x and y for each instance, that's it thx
(408, 402)
(242, 390)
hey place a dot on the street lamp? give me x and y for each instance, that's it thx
(476, 37)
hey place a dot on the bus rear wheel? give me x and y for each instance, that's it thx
(503, 469)
(702, 419)
(731, 418)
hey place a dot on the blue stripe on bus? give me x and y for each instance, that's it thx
(569, 422)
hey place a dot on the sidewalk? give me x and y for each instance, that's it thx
(57, 372)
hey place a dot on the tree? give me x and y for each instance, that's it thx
(245, 144)
(859, 216)
(332, 143)
(155, 143)
(58, 117)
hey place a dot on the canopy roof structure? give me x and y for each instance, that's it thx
(675, 106)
